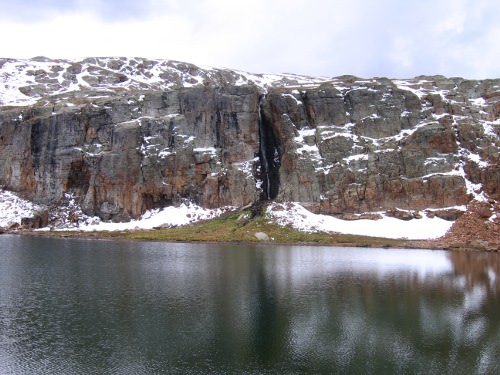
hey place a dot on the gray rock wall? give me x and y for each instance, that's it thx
(345, 146)
(122, 156)
(376, 145)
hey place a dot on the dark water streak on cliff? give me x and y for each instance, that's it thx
(268, 154)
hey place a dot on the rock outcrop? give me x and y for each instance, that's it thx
(121, 136)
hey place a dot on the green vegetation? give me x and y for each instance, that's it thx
(238, 227)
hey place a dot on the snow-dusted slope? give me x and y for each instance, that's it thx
(26, 82)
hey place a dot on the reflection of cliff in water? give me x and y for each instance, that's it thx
(479, 269)
(233, 309)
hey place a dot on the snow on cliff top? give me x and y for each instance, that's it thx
(25, 82)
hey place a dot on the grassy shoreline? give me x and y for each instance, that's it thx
(238, 227)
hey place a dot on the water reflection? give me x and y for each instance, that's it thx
(69, 306)
(478, 270)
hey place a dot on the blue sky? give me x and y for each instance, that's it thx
(367, 38)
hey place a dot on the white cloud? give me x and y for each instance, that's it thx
(321, 37)
(80, 35)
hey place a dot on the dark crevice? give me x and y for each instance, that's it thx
(218, 126)
(309, 111)
(171, 135)
(269, 156)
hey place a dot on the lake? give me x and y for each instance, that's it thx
(76, 306)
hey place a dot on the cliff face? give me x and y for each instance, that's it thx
(352, 146)
(123, 156)
(121, 138)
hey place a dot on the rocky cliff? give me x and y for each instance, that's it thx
(120, 136)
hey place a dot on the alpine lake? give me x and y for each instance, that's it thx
(86, 306)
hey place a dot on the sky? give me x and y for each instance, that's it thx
(366, 38)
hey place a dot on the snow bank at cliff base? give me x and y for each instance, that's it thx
(186, 213)
(14, 208)
(298, 217)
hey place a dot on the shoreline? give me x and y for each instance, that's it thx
(243, 227)
(378, 242)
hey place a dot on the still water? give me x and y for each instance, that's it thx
(116, 307)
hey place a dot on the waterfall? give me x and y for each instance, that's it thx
(269, 156)
(263, 152)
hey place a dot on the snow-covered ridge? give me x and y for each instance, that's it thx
(43, 80)
(25, 82)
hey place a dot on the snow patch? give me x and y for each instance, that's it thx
(404, 85)
(165, 152)
(205, 150)
(476, 190)
(299, 218)
(311, 151)
(479, 102)
(356, 157)
(186, 213)
(14, 208)
(298, 102)
(247, 166)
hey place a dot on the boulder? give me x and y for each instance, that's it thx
(261, 236)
